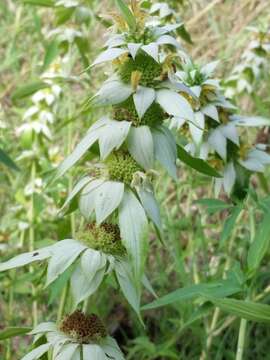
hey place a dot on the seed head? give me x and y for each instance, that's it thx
(83, 328)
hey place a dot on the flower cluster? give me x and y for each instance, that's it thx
(253, 63)
(213, 135)
(78, 336)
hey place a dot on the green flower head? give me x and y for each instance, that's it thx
(105, 237)
(127, 111)
(122, 167)
(149, 69)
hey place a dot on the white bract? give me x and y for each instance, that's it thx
(89, 269)
(64, 347)
(120, 44)
(256, 158)
(161, 9)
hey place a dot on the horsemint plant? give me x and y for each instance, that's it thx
(253, 63)
(119, 189)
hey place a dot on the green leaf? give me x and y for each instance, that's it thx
(10, 332)
(46, 3)
(6, 160)
(127, 14)
(229, 224)
(185, 35)
(197, 164)
(218, 289)
(260, 244)
(51, 53)
(213, 205)
(28, 89)
(244, 309)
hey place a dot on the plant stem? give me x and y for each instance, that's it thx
(62, 303)
(65, 291)
(241, 339)
(32, 239)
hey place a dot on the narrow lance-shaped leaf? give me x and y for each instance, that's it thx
(260, 244)
(6, 160)
(11, 332)
(244, 309)
(218, 289)
(195, 163)
(126, 13)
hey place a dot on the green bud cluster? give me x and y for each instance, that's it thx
(83, 328)
(147, 66)
(121, 167)
(105, 237)
(127, 111)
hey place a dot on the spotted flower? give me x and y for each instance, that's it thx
(78, 336)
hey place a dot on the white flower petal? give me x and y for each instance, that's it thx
(168, 40)
(67, 352)
(27, 258)
(141, 146)
(132, 232)
(112, 92)
(209, 68)
(250, 120)
(143, 99)
(229, 177)
(259, 155)
(108, 55)
(165, 149)
(158, 31)
(44, 328)
(108, 196)
(197, 127)
(112, 136)
(133, 49)
(37, 352)
(252, 165)
(218, 142)
(126, 281)
(83, 286)
(151, 207)
(152, 50)
(87, 198)
(174, 104)
(230, 132)
(62, 258)
(111, 348)
(93, 352)
(77, 188)
(211, 111)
